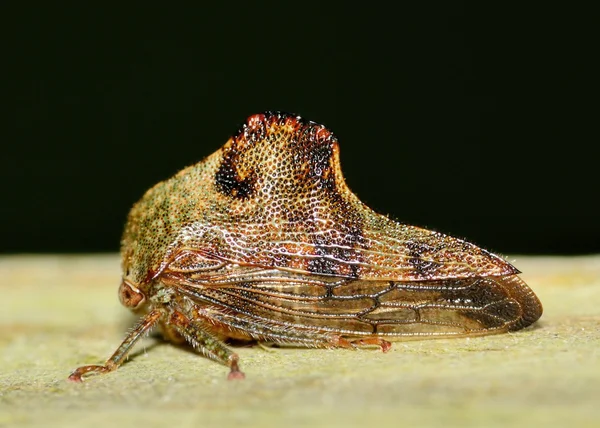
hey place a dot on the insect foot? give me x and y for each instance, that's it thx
(264, 241)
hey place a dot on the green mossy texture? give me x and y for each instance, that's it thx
(59, 312)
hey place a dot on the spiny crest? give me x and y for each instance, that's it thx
(278, 154)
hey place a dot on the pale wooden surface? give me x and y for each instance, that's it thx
(58, 312)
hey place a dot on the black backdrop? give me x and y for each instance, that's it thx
(474, 121)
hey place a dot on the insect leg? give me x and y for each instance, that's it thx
(204, 342)
(120, 354)
(385, 345)
(271, 330)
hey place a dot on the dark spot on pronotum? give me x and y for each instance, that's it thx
(421, 266)
(319, 158)
(229, 182)
(337, 259)
(354, 239)
(322, 266)
(323, 263)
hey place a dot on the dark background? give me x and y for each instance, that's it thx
(474, 121)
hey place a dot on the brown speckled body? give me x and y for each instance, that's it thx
(263, 240)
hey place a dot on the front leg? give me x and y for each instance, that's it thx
(204, 342)
(144, 325)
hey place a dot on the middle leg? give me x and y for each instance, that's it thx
(206, 343)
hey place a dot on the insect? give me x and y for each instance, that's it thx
(263, 241)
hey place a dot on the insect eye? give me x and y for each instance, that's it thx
(130, 296)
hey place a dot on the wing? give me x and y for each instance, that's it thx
(355, 308)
